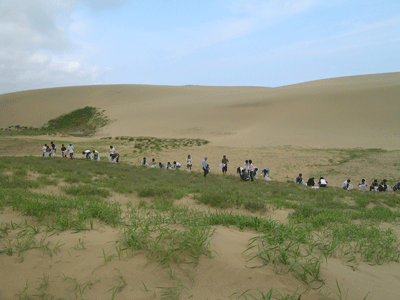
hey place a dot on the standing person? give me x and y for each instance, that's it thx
(112, 152)
(189, 163)
(251, 170)
(44, 149)
(225, 164)
(246, 165)
(63, 151)
(299, 179)
(96, 155)
(204, 165)
(48, 151)
(70, 150)
(53, 146)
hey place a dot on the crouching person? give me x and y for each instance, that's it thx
(95, 155)
(114, 157)
(177, 165)
(86, 153)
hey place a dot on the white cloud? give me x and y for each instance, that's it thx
(33, 37)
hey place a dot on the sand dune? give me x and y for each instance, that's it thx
(358, 111)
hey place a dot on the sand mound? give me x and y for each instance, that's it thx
(358, 111)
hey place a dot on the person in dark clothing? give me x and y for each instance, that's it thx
(63, 150)
(299, 179)
(396, 186)
(373, 185)
(225, 165)
(382, 187)
(311, 182)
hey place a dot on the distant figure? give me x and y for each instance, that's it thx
(396, 186)
(299, 179)
(244, 175)
(63, 151)
(169, 166)
(363, 186)
(374, 185)
(255, 172)
(208, 168)
(204, 165)
(48, 151)
(177, 165)
(189, 163)
(112, 151)
(246, 165)
(44, 148)
(95, 155)
(322, 182)
(87, 153)
(251, 170)
(70, 150)
(153, 163)
(53, 147)
(144, 162)
(345, 185)
(382, 187)
(224, 165)
(265, 173)
(161, 165)
(114, 157)
(311, 181)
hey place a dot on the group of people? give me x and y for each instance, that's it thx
(346, 185)
(322, 183)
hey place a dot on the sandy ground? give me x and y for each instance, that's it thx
(291, 129)
(359, 111)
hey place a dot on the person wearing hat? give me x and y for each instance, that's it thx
(299, 179)
(382, 186)
(204, 165)
(345, 185)
(225, 164)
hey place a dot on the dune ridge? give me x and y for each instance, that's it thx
(357, 111)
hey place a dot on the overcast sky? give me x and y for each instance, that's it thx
(51, 43)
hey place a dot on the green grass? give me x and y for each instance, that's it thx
(323, 223)
(80, 122)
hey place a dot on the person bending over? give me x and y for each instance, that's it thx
(345, 185)
(322, 182)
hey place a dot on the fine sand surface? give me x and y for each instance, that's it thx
(348, 112)
(282, 128)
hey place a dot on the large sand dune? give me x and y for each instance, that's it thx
(358, 111)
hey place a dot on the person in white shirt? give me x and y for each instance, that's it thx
(153, 163)
(322, 182)
(144, 162)
(112, 152)
(177, 165)
(345, 185)
(44, 149)
(86, 153)
(95, 155)
(70, 150)
(189, 163)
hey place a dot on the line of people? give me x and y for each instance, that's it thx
(346, 185)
